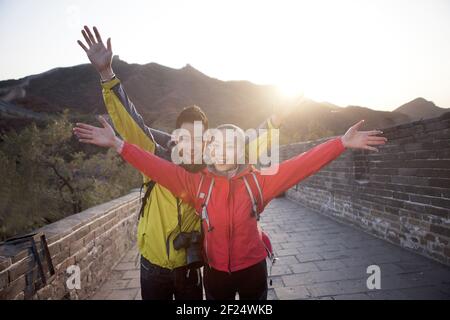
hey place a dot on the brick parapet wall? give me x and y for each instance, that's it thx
(94, 240)
(401, 194)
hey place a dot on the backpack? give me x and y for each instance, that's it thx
(256, 196)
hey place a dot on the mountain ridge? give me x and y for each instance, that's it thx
(160, 93)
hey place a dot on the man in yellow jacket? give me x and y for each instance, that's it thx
(164, 270)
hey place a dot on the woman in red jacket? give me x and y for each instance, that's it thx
(233, 243)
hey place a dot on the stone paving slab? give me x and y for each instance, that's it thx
(319, 258)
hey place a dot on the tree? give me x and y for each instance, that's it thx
(47, 175)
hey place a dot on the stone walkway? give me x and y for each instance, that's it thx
(320, 258)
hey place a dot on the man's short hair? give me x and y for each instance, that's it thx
(191, 114)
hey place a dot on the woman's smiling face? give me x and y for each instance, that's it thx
(226, 146)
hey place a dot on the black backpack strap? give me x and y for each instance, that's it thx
(149, 184)
(179, 213)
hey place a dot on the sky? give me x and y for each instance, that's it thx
(378, 54)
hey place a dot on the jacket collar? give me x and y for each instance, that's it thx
(241, 170)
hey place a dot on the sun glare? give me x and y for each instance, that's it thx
(289, 90)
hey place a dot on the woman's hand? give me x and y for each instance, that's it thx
(103, 137)
(362, 139)
(99, 55)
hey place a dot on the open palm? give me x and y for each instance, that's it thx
(99, 55)
(362, 139)
(103, 137)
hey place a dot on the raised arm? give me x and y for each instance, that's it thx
(177, 180)
(126, 119)
(294, 170)
(260, 143)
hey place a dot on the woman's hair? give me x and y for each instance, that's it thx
(240, 134)
(191, 114)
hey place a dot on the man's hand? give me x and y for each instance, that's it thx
(362, 139)
(103, 137)
(99, 55)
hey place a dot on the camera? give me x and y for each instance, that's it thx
(192, 242)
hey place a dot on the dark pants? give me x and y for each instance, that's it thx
(249, 283)
(159, 283)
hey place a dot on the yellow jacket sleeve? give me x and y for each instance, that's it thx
(126, 120)
(262, 141)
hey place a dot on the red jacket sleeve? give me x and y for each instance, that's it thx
(171, 176)
(294, 170)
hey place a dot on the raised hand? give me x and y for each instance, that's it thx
(362, 139)
(103, 137)
(99, 55)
